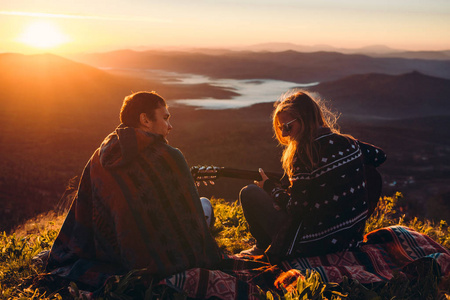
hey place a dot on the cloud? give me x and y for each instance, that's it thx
(84, 17)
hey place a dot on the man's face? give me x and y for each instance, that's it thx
(160, 124)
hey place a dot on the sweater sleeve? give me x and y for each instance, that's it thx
(296, 198)
(372, 155)
(278, 194)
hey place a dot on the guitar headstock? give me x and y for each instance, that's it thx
(205, 174)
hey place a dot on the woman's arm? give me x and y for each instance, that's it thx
(288, 200)
(372, 155)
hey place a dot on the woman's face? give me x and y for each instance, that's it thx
(288, 125)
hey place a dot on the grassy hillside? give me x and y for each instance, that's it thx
(18, 274)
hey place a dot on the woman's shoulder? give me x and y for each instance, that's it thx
(336, 140)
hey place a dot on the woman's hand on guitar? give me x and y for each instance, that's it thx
(264, 178)
(261, 185)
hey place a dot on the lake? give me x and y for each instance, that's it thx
(251, 91)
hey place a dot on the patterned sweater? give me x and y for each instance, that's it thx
(328, 203)
(136, 207)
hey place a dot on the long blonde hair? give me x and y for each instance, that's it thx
(311, 114)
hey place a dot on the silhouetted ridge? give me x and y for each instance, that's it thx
(43, 64)
(396, 96)
(286, 65)
(50, 83)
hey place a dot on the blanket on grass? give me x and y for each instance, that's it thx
(387, 250)
(384, 252)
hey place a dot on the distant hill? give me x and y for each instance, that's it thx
(388, 96)
(48, 82)
(51, 83)
(372, 50)
(289, 65)
(433, 55)
(279, 47)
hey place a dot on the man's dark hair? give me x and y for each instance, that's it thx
(137, 103)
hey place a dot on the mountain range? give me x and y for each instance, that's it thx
(299, 67)
(371, 50)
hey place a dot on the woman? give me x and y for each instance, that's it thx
(326, 205)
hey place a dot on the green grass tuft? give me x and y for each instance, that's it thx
(230, 229)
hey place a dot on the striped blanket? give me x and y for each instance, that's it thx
(387, 250)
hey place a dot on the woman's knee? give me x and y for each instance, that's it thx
(249, 194)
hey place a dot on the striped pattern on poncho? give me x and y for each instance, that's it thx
(136, 207)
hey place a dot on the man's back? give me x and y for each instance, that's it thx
(136, 207)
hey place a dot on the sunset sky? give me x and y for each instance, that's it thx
(67, 26)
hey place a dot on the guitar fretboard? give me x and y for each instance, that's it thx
(246, 174)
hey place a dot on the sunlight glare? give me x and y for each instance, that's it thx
(43, 34)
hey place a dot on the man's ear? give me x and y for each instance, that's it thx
(144, 120)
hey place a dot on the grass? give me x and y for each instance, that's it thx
(18, 274)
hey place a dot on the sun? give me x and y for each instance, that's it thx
(43, 34)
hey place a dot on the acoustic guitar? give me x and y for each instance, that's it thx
(212, 173)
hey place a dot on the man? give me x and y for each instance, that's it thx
(136, 207)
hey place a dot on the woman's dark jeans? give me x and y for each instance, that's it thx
(263, 219)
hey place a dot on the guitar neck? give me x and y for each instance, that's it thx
(246, 174)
